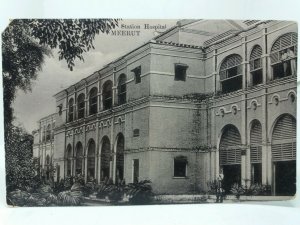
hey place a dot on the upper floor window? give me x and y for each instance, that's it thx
(52, 131)
(180, 71)
(122, 89)
(256, 65)
(93, 101)
(71, 109)
(48, 133)
(81, 106)
(231, 73)
(137, 74)
(44, 133)
(284, 56)
(107, 95)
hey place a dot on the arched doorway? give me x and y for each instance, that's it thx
(284, 156)
(120, 158)
(105, 159)
(48, 164)
(91, 160)
(79, 159)
(255, 152)
(230, 156)
(69, 160)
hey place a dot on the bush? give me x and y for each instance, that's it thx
(139, 193)
(253, 189)
(70, 198)
(17, 198)
(88, 189)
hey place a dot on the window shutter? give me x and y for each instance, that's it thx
(255, 143)
(285, 41)
(230, 151)
(284, 139)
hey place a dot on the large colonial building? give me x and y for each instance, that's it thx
(205, 96)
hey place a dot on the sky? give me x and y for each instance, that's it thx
(55, 76)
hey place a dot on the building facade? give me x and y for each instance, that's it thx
(43, 146)
(203, 98)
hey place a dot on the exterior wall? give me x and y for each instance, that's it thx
(181, 127)
(163, 59)
(42, 146)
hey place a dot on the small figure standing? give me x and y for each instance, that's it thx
(291, 56)
(284, 58)
(220, 190)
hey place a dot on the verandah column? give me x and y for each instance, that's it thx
(244, 127)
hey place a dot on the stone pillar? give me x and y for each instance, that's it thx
(244, 64)
(114, 96)
(264, 163)
(248, 75)
(244, 135)
(265, 60)
(100, 101)
(217, 164)
(248, 166)
(269, 165)
(99, 168)
(217, 86)
(114, 172)
(85, 167)
(243, 167)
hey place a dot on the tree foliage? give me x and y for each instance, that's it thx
(25, 43)
(19, 166)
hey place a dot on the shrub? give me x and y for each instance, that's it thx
(70, 198)
(89, 188)
(253, 189)
(45, 191)
(17, 198)
(139, 193)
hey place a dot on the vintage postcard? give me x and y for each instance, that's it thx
(131, 112)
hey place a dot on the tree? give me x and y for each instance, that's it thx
(19, 166)
(25, 43)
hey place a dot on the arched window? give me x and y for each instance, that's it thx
(231, 76)
(91, 160)
(48, 133)
(230, 156)
(120, 158)
(256, 65)
(122, 89)
(105, 158)
(284, 155)
(81, 106)
(107, 95)
(256, 152)
(71, 110)
(44, 133)
(69, 160)
(284, 56)
(52, 131)
(79, 158)
(93, 101)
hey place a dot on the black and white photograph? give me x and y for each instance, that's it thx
(149, 112)
(135, 112)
